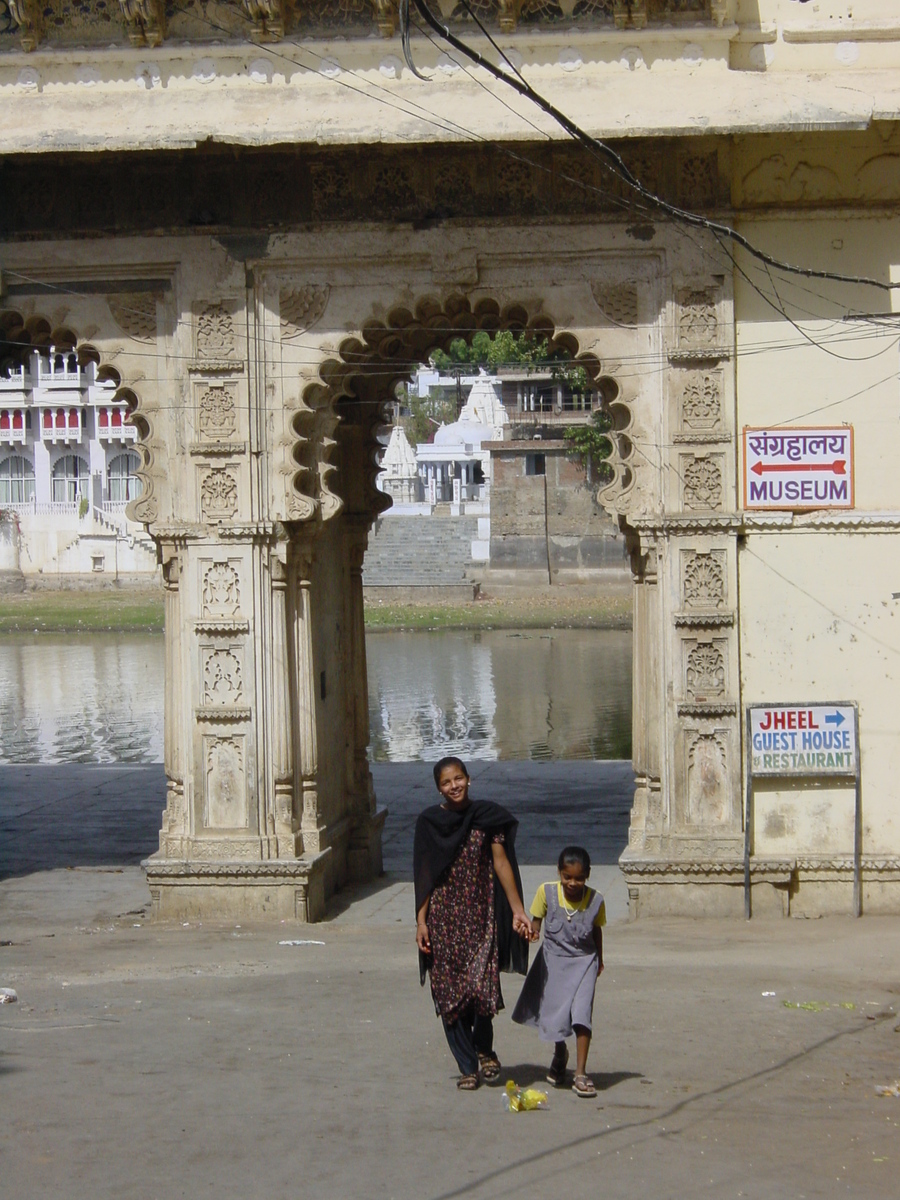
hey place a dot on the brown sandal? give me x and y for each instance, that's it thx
(583, 1086)
(467, 1083)
(490, 1067)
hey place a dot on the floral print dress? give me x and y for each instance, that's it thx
(465, 970)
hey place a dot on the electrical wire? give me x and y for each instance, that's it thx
(619, 167)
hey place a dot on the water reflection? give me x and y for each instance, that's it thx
(557, 694)
(94, 697)
(554, 694)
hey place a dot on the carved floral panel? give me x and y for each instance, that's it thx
(697, 319)
(704, 675)
(703, 581)
(216, 412)
(702, 484)
(215, 334)
(707, 779)
(218, 494)
(701, 401)
(222, 677)
(220, 590)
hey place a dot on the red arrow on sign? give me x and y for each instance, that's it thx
(839, 467)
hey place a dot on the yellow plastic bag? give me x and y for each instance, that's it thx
(518, 1099)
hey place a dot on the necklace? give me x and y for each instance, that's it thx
(570, 912)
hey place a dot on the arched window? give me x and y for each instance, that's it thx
(123, 481)
(16, 481)
(71, 479)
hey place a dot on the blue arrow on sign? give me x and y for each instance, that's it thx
(835, 718)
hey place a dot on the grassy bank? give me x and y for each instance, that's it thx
(132, 610)
(137, 610)
(559, 609)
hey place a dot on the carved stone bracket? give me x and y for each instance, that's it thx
(27, 14)
(268, 17)
(145, 21)
(223, 626)
(386, 12)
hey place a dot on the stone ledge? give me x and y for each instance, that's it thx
(283, 889)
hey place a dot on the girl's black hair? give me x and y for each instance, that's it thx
(575, 854)
(450, 761)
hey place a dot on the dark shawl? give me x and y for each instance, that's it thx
(440, 835)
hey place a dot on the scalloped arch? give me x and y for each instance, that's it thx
(356, 387)
(20, 336)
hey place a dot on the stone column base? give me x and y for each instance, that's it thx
(801, 887)
(364, 860)
(278, 889)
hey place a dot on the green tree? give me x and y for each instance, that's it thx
(505, 348)
(426, 413)
(592, 445)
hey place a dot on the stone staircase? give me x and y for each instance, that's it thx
(419, 551)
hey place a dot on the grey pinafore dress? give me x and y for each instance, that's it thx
(559, 990)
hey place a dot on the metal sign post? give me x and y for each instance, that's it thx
(804, 741)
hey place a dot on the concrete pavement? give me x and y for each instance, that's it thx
(159, 1061)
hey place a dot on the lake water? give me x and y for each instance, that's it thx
(540, 695)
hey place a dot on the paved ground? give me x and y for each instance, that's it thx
(158, 1061)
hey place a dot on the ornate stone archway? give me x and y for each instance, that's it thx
(259, 368)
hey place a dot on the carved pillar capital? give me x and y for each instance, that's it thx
(27, 14)
(145, 21)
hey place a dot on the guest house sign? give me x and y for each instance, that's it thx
(798, 468)
(803, 739)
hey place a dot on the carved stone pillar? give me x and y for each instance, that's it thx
(173, 820)
(365, 859)
(303, 684)
(285, 819)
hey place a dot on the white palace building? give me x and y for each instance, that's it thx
(67, 471)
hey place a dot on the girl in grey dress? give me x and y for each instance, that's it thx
(557, 998)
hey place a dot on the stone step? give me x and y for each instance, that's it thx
(419, 551)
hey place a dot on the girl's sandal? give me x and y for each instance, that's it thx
(557, 1073)
(467, 1083)
(584, 1086)
(490, 1067)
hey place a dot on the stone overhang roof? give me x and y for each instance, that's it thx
(684, 81)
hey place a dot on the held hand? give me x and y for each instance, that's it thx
(535, 935)
(422, 939)
(523, 927)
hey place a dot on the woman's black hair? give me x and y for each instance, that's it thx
(575, 854)
(450, 761)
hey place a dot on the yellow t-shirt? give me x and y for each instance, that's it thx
(539, 904)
